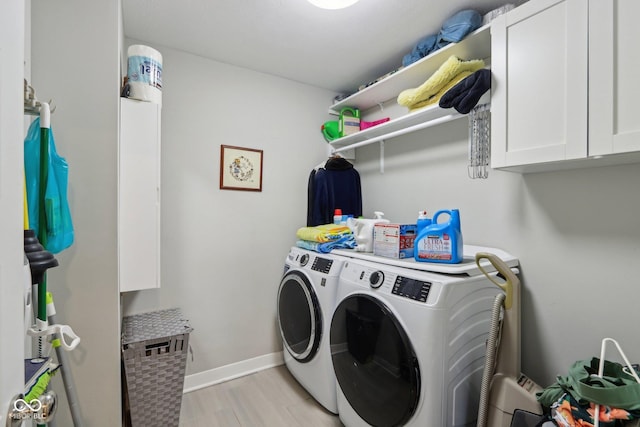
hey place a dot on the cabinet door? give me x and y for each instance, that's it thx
(614, 92)
(539, 90)
(139, 196)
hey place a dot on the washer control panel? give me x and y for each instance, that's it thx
(411, 288)
(323, 265)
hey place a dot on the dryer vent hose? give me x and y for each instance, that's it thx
(493, 343)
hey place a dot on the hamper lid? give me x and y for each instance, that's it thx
(155, 324)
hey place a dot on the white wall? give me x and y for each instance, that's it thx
(11, 171)
(223, 251)
(74, 62)
(576, 233)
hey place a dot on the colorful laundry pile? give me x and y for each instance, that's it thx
(572, 399)
(450, 73)
(326, 237)
(567, 412)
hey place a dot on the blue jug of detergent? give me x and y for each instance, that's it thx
(440, 242)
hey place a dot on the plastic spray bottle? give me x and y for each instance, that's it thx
(423, 221)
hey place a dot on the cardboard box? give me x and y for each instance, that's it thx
(394, 240)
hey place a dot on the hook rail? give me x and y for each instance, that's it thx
(31, 104)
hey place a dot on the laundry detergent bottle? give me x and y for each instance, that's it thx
(363, 230)
(440, 242)
(349, 121)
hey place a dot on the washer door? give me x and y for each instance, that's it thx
(299, 316)
(375, 364)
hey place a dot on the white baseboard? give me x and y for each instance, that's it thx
(208, 378)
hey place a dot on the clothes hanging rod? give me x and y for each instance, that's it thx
(401, 132)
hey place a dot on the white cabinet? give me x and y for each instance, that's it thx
(139, 196)
(564, 93)
(614, 92)
(539, 90)
(379, 99)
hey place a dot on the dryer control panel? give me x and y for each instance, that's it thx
(323, 265)
(411, 288)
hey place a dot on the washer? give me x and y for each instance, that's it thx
(408, 346)
(306, 299)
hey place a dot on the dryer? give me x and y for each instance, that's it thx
(306, 299)
(408, 346)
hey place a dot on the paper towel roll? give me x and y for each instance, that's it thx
(144, 73)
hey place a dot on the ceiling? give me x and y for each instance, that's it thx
(332, 49)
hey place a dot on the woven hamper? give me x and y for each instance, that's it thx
(154, 355)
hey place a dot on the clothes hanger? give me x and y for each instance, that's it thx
(322, 165)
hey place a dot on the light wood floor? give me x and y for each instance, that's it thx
(269, 398)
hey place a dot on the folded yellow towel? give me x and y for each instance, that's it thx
(447, 71)
(323, 233)
(436, 98)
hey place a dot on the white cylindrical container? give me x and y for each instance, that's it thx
(144, 73)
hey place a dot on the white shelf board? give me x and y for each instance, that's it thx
(476, 45)
(428, 114)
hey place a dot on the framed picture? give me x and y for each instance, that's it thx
(240, 168)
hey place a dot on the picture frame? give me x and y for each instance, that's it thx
(240, 168)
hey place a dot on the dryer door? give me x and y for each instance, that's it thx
(375, 364)
(299, 316)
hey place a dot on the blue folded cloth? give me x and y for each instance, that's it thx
(346, 242)
(453, 30)
(410, 58)
(459, 25)
(441, 43)
(426, 45)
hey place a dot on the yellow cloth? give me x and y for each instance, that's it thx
(447, 71)
(436, 98)
(322, 233)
